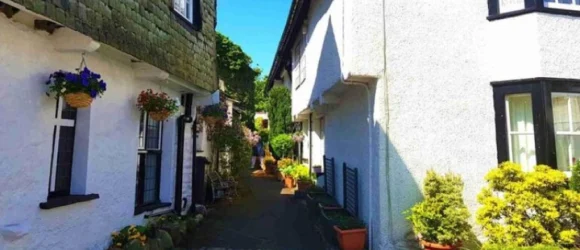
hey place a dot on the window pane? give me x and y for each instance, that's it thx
(575, 109)
(142, 131)
(68, 112)
(560, 113)
(524, 151)
(64, 159)
(152, 136)
(520, 110)
(562, 152)
(150, 180)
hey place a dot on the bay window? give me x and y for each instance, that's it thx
(499, 9)
(538, 122)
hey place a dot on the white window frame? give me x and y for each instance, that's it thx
(58, 123)
(181, 6)
(575, 5)
(509, 128)
(299, 61)
(570, 126)
(143, 136)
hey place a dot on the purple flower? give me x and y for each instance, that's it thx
(95, 75)
(93, 93)
(102, 85)
(85, 82)
(70, 77)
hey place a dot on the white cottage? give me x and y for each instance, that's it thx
(69, 177)
(395, 88)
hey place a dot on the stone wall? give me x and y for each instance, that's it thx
(146, 29)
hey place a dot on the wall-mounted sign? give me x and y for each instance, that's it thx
(510, 5)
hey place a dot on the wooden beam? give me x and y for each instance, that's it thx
(8, 10)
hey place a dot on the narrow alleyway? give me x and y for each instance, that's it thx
(263, 219)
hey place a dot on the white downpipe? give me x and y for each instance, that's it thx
(370, 173)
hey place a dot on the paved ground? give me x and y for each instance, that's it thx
(267, 217)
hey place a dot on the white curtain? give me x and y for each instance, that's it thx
(521, 130)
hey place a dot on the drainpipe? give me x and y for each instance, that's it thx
(181, 121)
(370, 149)
(310, 144)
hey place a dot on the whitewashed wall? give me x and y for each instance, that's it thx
(27, 58)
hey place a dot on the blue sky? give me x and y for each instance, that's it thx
(255, 25)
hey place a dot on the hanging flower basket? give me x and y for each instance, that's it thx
(159, 105)
(214, 114)
(78, 89)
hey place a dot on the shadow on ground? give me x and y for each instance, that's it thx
(266, 217)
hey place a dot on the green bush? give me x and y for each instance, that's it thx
(279, 111)
(265, 136)
(141, 237)
(575, 180)
(282, 145)
(442, 216)
(301, 172)
(529, 208)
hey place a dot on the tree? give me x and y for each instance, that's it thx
(261, 98)
(234, 68)
(279, 111)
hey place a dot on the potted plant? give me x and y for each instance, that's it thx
(213, 114)
(270, 165)
(78, 89)
(141, 237)
(159, 106)
(350, 232)
(288, 173)
(283, 163)
(440, 220)
(298, 136)
(304, 183)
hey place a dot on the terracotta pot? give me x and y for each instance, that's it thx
(435, 246)
(304, 185)
(78, 100)
(288, 182)
(159, 115)
(353, 239)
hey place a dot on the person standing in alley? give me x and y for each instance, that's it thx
(258, 151)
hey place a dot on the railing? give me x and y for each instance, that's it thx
(329, 175)
(350, 187)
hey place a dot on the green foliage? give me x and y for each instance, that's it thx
(529, 208)
(507, 247)
(262, 101)
(285, 162)
(214, 110)
(301, 172)
(344, 221)
(279, 111)
(258, 123)
(282, 145)
(575, 179)
(232, 139)
(141, 237)
(234, 67)
(442, 216)
(264, 135)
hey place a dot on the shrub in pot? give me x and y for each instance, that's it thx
(159, 105)
(300, 174)
(282, 145)
(78, 89)
(350, 231)
(305, 182)
(440, 220)
(288, 172)
(529, 208)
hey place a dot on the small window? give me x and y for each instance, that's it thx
(186, 8)
(148, 161)
(62, 150)
(299, 62)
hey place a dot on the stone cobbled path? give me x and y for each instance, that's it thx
(267, 217)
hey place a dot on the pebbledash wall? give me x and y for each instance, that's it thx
(111, 125)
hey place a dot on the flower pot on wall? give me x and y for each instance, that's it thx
(159, 115)
(353, 239)
(288, 182)
(435, 246)
(78, 100)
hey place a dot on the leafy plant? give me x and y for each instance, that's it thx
(84, 81)
(232, 139)
(215, 111)
(301, 171)
(285, 162)
(529, 208)
(575, 179)
(344, 221)
(140, 237)
(279, 111)
(288, 170)
(282, 145)
(149, 101)
(442, 216)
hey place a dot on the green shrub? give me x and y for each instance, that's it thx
(285, 162)
(506, 247)
(529, 208)
(282, 145)
(442, 216)
(279, 111)
(575, 180)
(141, 237)
(301, 172)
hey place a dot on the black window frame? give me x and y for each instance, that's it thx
(541, 90)
(140, 205)
(197, 20)
(529, 7)
(61, 180)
